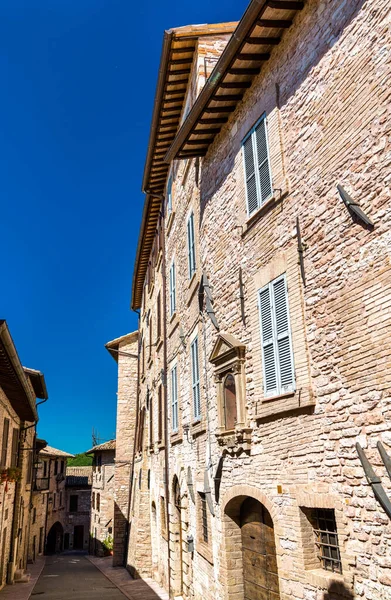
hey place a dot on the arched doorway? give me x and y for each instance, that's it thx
(176, 538)
(54, 542)
(249, 527)
(260, 576)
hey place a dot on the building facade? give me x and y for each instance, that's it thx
(19, 389)
(78, 484)
(102, 498)
(125, 351)
(263, 282)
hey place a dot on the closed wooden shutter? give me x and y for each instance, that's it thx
(195, 371)
(169, 196)
(191, 245)
(277, 355)
(4, 444)
(15, 447)
(257, 167)
(172, 290)
(174, 399)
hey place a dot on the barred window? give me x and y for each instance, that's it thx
(204, 518)
(326, 539)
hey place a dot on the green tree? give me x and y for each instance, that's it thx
(80, 460)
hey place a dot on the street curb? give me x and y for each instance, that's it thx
(91, 560)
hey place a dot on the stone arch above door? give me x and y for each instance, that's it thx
(234, 496)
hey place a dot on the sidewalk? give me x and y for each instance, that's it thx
(134, 589)
(22, 591)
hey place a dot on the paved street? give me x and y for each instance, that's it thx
(72, 576)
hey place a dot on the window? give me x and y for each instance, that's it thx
(163, 520)
(277, 355)
(160, 414)
(56, 467)
(93, 500)
(60, 504)
(151, 424)
(324, 552)
(15, 448)
(98, 502)
(169, 196)
(191, 245)
(45, 468)
(4, 445)
(99, 461)
(54, 499)
(158, 316)
(73, 503)
(34, 515)
(257, 167)
(150, 336)
(229, 400)
(174, 399)
(62, 467)
(204, 518)
(195, 376)
(172, 289)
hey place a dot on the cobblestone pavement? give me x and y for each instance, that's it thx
(73, 577)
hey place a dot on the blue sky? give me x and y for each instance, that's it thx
(78, 82)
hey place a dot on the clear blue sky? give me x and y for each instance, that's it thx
(78, 82)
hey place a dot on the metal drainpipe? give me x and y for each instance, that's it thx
(131, 475)
(15, 519)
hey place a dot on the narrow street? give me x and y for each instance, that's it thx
(73, 576)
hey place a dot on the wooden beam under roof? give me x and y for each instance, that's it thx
(259, 56)
(231, 85)
(263, 41)
(172, 100)
(206, 131)
(244, 71)
(181, 61)
(213, 120)
(180, 72)
(219, 109)
(183, 50)
(178, 82)
(227, 97)
(274, 23)
(285, 5)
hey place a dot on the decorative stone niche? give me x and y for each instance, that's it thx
(228, 358)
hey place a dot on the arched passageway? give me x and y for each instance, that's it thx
(54, 541)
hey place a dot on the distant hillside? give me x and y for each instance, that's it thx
(80, 460)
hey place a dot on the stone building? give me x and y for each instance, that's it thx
(19, 389)
(263, 282)
(50, 499)
(102, 498)
(124, 350)
(78, 485)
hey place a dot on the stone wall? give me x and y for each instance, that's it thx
(102, 502)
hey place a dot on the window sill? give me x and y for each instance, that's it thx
(176, 438)
(290, 401)
(322, 579)
(198, 427)
(205, 551)
(262, 210)
(278, 397)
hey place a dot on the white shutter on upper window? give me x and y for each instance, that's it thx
(174, 399)
(195, 372)
(257, 167)
(172, 290)
(191, 245)
(277, 355)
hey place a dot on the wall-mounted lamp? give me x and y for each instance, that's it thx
(186, 430)
(190, 544)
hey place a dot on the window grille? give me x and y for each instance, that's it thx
(15, 447)
(326, 540)
(4, 447)
(256, 161)
(204, 518)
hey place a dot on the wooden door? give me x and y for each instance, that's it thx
(78, 537)
(259, 552)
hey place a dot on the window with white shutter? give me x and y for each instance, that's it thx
(257, 166)
(191, 245)
(172, 289)
(195, 378)
(277, 354)
(169, 196)
(174, 399)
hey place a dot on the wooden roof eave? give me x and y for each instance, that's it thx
(231, 53)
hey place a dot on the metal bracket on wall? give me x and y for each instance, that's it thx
(354, 209)
(204, 293)
(301, 246)
(373, 479)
